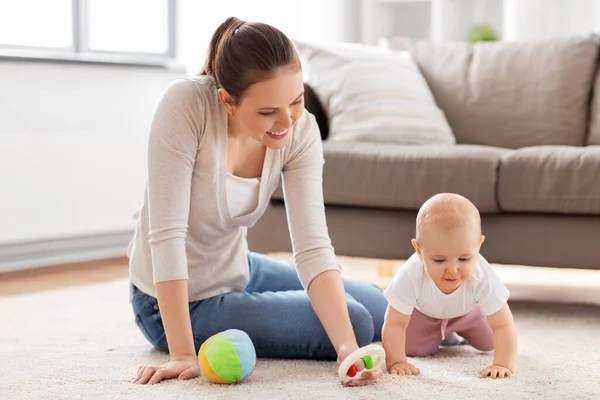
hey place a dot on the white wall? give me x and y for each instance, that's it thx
(72, 146)
(458, 16)
(309, 20)
(513, 20)
(543, 19)
(430, 20)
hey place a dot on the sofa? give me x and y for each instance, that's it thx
(525, 118)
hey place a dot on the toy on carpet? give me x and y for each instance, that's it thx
(227, 357)
(373, 356)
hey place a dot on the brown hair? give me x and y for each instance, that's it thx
(242, 53)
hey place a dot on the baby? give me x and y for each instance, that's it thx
(447, 287)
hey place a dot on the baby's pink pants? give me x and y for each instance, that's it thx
(424, 334)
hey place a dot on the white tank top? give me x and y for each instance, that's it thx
(242, 194)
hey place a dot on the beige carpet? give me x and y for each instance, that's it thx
(81, 342)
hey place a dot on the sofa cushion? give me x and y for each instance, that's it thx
(510, 94)
(553, 179)
(372, 94)
(403, 177)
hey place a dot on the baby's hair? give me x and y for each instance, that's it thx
(447, 211)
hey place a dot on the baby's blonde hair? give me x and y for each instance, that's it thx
(447, 211)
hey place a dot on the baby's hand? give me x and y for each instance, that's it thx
(496, 371)
(404, 368)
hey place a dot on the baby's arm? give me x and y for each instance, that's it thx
(394, 343)
(505, 344)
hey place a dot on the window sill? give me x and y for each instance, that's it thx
(132, 60)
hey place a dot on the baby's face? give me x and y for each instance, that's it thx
(450, 256)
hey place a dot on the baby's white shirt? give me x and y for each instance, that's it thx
(413, 288)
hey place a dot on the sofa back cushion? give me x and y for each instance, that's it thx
(510, 94)
(371, 94)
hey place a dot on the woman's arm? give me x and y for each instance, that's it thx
(172, 147)
(328, 298)
(183, 363)
(317, 265)
(174, 310)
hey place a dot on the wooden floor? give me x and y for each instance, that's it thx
(60, 276)
(525, 283)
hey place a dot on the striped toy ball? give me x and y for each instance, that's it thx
(227, 357)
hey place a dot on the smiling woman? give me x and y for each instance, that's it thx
(219, 143)
(263, 95)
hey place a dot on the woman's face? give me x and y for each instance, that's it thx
(270, 108)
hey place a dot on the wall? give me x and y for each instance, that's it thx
(459, 16)
(309, 20)
(72, 150)
(513, 20)
(543, 19)
(429, 20)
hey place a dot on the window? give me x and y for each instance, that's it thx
(141, 31)
(48, 26)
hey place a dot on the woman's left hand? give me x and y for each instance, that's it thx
(367, 376)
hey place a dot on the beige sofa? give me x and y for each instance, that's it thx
(526, 117)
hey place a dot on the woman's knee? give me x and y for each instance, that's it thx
(362, 323)
(371, 296)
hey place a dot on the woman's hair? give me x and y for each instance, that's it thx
(242, 53)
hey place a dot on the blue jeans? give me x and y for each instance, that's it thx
(273, 310)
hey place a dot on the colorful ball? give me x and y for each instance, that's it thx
(227, 357)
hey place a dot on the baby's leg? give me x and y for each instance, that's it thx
(423, 335)
(474, 328)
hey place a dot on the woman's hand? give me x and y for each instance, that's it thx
(367, 376)
(185, 367)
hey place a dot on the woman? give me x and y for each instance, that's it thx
(219, 143)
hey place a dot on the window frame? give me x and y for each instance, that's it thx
(79, 50)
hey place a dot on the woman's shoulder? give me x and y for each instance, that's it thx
(187, 105)
(304, 135)
(199, 87)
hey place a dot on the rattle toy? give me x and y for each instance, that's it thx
(372, 356)
(227, 357)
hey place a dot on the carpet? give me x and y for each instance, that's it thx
(81, 343)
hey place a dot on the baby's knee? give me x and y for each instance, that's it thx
(362, 322)
(487, 345)
(421, 349)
